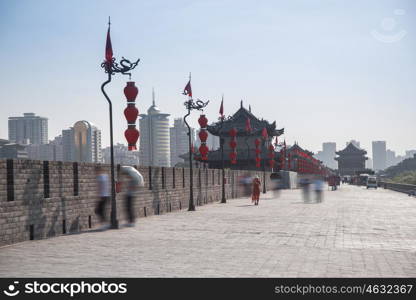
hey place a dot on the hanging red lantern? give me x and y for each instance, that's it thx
(203, 121)
(131, 91)
(131, 113)
(258, 151)
(264, 133)
(233, 132)
(203, 135)
(233, 155)
(203, 149)
(248, 126)
(132, 135)
(233, 145)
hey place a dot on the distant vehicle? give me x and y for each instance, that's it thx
(372, 182)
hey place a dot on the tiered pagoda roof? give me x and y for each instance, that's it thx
(238, 121)
(351, 149)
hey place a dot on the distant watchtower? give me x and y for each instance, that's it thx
(351, 160)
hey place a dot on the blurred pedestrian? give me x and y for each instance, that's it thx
(255, 196)
(318, 186)
(103, 185)
(276, 180)
(133, 180)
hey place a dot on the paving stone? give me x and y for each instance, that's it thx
(354, 233)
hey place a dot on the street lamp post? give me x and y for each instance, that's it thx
(264, 165)
(111, 68)
(192, 105)
(223, 199)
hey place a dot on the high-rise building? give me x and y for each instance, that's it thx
(154, 137)
(52, 151)
(327, 155)
(12, 150)
(67, 144)
(28, 129)
(379, 155)
(179, 143)
(390, 158)
(369, 163)
(122, 155)
(82, 143)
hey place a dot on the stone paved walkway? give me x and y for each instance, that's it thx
(354, 233)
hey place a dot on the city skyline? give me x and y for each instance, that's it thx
(339, 66)
(317, 152)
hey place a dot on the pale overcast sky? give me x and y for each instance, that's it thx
(326, 70)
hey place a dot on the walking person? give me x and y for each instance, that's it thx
(103, 186)
(318, 186)
(255, 196)
(134, 180)
(304, 184)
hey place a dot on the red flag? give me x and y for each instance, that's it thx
(108, 48)
(188, 90)
(222, 107)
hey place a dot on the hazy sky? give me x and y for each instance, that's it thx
(326, 70)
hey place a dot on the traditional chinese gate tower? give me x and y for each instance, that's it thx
(245, 147)
(351, 160)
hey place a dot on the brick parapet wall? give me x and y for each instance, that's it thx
(25, 212)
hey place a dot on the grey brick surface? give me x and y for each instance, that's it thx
(354, 233)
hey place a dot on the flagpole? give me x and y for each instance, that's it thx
(190, 105)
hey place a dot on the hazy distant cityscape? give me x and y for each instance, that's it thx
(160, 144)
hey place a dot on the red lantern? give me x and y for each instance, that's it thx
(264, 133)
(131, 113)
(233, 155)
(203, 149)
(203, 121)
(132, 135)
(248, 125)
(258, 159)
(233, 144)
(233, 132)
(203, 135)
(258, 151)
(131, 91)
(257, 142)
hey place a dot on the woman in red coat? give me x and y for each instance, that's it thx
(256, 190)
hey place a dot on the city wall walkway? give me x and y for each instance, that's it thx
(354, 233)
